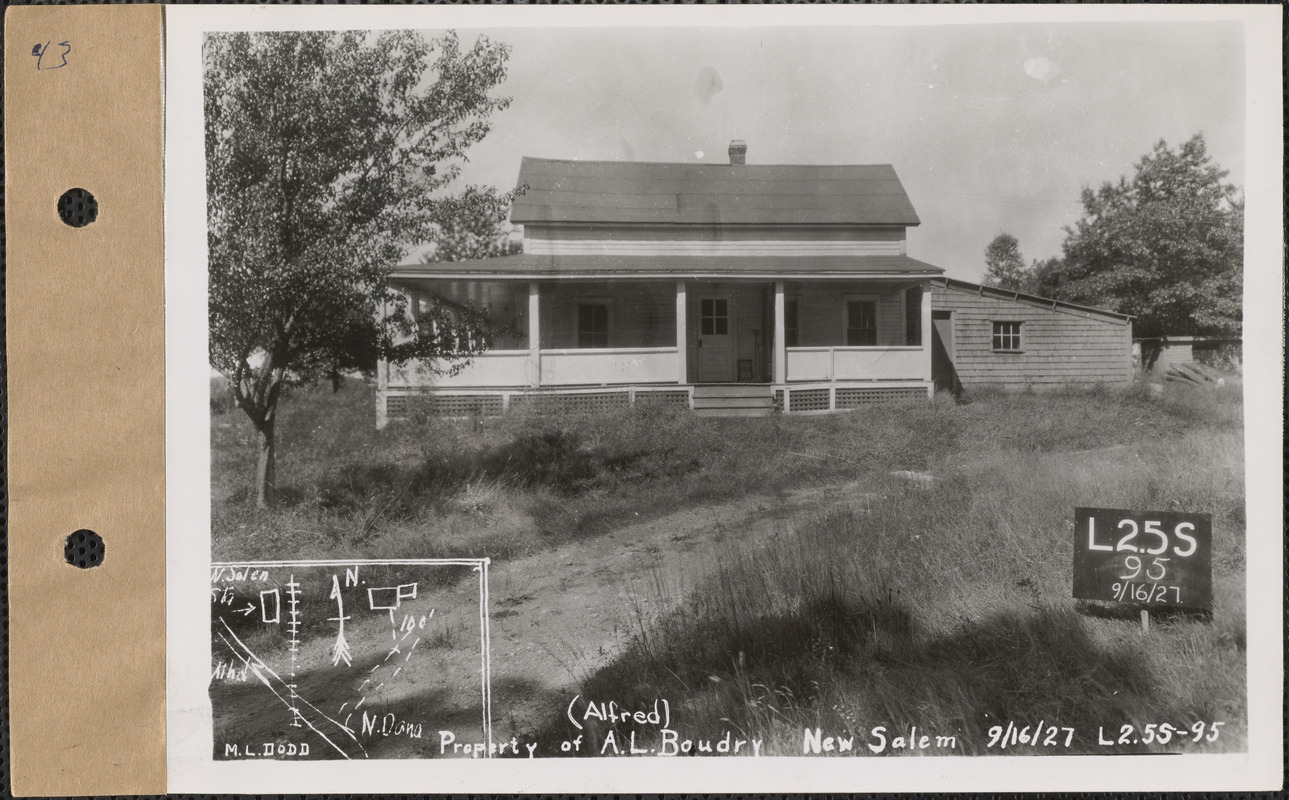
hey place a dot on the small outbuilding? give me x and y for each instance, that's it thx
(1157, 354)
(984, 336)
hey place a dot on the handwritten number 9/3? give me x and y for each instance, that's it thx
(54, 60)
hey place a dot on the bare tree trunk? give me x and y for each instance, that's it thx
(265, 478)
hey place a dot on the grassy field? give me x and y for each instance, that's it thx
(943, 606)
(521, 483)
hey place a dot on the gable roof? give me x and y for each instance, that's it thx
(738, 194)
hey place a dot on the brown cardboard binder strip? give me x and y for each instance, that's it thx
(86, 400)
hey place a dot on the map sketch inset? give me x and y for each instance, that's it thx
(350, 659)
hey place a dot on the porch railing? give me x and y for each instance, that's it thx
(857, 363)
(495, 368)
(574, 367)
(616, 365)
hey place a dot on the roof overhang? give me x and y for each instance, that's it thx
(619, 268)
(1031, 299)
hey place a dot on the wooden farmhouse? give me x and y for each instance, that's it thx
(732, 289)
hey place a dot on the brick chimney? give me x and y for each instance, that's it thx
(738, 151)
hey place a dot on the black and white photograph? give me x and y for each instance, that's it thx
(838, 391)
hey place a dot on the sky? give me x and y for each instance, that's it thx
(991, 128)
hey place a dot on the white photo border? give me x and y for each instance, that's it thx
(191, 766)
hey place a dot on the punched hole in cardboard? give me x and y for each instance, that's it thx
(84, 549)
(77, 208)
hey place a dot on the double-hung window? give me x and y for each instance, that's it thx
(593, 323)
(861, 322)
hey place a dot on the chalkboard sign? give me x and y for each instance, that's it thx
(1149, 559)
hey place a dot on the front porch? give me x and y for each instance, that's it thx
(795, 346)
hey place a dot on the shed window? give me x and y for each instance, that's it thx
(1006, 337)
(861, 323)
(593, 323)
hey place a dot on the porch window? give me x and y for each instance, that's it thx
(1006, 337)
(593, 323)
(861, 323)
(714, 316)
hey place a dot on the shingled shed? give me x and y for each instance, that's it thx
(984, 336)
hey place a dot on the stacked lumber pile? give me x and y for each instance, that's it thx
(1191, 372)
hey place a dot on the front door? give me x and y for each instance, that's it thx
(715, 340)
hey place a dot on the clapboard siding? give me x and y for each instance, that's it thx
(710, 240)
(1059, 345)
(749, 321)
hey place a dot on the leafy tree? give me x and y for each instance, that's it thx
(475, 226)
(1165, 246)
(1044, 278)
(327, 153)
(1004, 266)
(483, 233)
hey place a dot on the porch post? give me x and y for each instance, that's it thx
(682, 338)
(534, 335)
(780, 344)
(926, 331)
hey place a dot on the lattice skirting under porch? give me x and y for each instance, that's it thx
(816, 398)
(495, 403)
